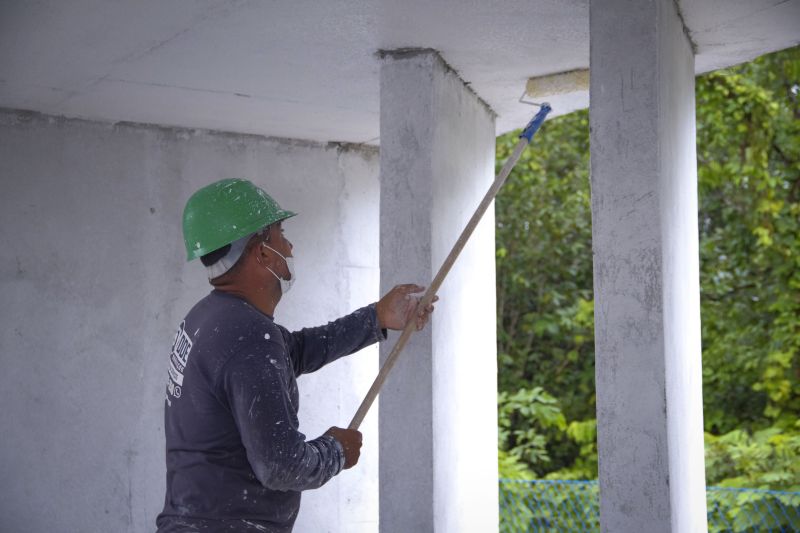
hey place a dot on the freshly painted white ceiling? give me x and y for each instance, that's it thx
(308, 69)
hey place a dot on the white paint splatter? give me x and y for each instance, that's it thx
(252, 404)
(266, 336)
(257, 526)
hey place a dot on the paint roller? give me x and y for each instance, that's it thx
(556, 85)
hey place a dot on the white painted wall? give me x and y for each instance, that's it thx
(681, 271)
(438, 410)
(93, 282)
(464, 338)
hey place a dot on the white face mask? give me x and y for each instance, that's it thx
(286, 284)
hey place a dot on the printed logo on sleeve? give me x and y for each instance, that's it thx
(178, 358)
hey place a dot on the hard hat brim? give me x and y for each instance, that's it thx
(200, 251)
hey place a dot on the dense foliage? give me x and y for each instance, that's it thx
(748, 147)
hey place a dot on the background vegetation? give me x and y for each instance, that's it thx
(748, 147)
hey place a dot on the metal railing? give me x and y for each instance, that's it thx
(574, 506)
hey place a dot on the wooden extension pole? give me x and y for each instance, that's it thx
(427, 298)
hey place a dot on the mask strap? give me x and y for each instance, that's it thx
(265, 245)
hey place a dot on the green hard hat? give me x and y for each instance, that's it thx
(224, 212)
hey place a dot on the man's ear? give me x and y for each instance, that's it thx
(258, 251)
(262, 254)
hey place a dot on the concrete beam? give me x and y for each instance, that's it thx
(646, 281)
(438, 416)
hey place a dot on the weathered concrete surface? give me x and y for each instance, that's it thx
(646, 281)
(307, 70)
(729, 32)
(438, 420)
(93, 283)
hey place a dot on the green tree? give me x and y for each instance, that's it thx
(523, 418)
(749, 178)
(544, 275)
(748, 146)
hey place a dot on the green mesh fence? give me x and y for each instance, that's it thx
(574, 506)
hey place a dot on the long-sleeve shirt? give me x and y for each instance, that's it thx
(236, 460)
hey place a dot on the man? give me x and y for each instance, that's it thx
(235, 458)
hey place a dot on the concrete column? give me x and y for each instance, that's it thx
(646, 281)
(438, 420)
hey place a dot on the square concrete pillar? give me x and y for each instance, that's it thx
(438, 407)
(646, 280)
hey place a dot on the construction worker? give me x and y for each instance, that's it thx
(236, 460)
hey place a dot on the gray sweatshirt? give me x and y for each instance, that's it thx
(236, 460)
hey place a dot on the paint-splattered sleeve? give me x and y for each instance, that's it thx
(313, 348)
(258, 388)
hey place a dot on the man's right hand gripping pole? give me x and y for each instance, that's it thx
(350, 439)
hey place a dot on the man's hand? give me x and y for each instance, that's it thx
(397, 307)
(350, 439)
